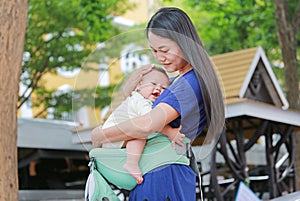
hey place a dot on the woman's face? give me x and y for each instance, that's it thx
(167, 52)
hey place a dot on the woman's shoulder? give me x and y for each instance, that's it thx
(187, 80)
(191, 76)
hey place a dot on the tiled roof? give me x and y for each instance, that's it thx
(236, 69)
(233, 68)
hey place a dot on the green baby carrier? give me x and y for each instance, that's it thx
(106, 165)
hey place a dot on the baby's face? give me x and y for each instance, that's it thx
(153, 84)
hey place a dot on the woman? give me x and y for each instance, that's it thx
(193, 100)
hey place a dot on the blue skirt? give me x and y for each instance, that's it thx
(168, 183)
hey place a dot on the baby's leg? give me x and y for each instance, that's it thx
(134, 149)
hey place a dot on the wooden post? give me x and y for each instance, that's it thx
(13, 14)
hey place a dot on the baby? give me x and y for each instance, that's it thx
(140, 103)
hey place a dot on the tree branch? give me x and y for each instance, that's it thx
(37, 75)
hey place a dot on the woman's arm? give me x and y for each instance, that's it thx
(139, 127)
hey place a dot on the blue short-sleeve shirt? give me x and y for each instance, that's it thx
(184, 95)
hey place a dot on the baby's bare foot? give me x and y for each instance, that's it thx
(135, 171)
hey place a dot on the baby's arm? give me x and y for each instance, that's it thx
(174, 135)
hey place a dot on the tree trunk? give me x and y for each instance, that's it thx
(288, 27)
(13, 14)
(288, 37)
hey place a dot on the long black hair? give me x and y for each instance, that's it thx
(175, 24)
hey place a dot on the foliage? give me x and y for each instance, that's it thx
(230, 25)
(98, 97)
(112, 47)
(61, 34)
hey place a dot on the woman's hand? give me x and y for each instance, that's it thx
(174, 135)
(102, 135)
(134, 78)
(97, 133)
(177, 139)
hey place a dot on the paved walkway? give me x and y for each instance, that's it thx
(289, 197)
